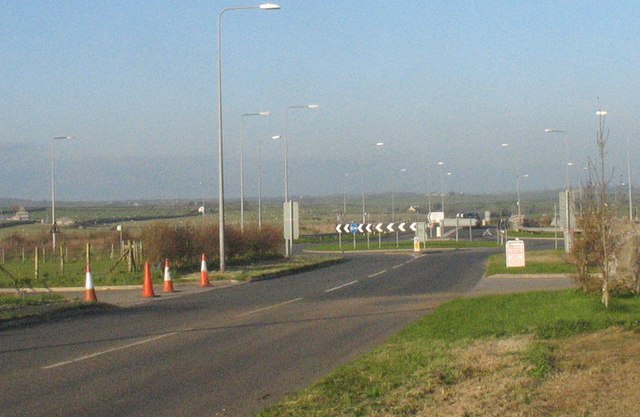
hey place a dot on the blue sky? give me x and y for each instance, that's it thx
(135, 84)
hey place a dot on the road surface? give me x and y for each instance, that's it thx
(227, 352)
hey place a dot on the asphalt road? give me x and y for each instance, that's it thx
(227, 352)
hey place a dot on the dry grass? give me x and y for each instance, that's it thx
(594, 375)
(597, 375)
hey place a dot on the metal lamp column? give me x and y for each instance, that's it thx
(265, 6)
(54, 227)
(261, 113)
(289, 242)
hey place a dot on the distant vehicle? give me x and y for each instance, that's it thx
(476, 220)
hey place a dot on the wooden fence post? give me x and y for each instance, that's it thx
(129, 256)
(36, 265)
(62, 260)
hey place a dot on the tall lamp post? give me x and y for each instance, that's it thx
(289, 204)
(54, 226)
(264, 6)
(567, 211)
(260, 113)
(364, 212)
(276, 137)
(441, 164)
(506, 145)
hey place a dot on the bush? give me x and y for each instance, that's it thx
(185, 244)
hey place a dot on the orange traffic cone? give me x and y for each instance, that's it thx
(89, 289)
(147, 287)
(168, 284)
(204, 274)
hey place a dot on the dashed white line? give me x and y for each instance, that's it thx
(341, 286)
(377, 273)
(104, 352)
(248, 313)
(397, 266)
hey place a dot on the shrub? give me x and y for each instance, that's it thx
(184, 244)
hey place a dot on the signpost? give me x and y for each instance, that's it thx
(515, 253)
(437, 217)
(291, 225)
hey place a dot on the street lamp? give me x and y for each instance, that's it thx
(276, 137)
(364, 213)
(261, 113)
(519, 220)
(393, 203)
(441, 163)
(289, 204)
(264, 6)
(54, 226)
(567, 237)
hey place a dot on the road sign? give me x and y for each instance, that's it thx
(368, 228)
(421, 231)
(339, 228)
(289, 208)
(379, 228)
(401, 227)
(354, 228)
(515, 253)
(436, 216)
(414, 227)
(390, 227)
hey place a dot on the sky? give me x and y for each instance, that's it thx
(135, 84)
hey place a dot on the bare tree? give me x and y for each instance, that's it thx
(602, 137)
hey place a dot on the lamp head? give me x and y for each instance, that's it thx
(269, 6)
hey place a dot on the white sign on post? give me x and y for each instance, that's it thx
(421, 231)
(288, 211)
(436, 216)
(515, 253)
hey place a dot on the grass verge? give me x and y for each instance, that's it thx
(268, 270)
(347, 245)
(14, 307)
(537, 262)
(478, 354)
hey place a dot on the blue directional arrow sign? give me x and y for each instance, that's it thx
(354, 228)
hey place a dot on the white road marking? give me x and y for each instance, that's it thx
(398, 266)
(377, 273)
(341, 286)
(248, 313)
(104, 352)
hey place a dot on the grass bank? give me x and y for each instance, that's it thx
(347, 245)
(266, 270)
(478, 356)
(537, 262)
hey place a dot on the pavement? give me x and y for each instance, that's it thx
(504, 284)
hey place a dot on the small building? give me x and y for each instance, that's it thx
(21, 215)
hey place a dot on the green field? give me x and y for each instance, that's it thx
(537, 262)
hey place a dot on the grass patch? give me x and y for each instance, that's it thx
(540, 356)
(361, 244)
(417, 370)
(537, 262)
(18, 306)
(266, 270)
